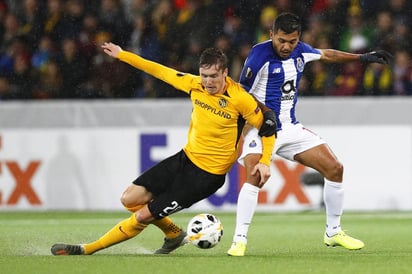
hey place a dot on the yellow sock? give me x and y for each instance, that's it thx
(169, 228)
(124, 230)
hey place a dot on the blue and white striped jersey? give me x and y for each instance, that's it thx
(273, 80)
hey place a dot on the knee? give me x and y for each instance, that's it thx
(131, 206)
(335, 172)
(132, 202)
(144, 216)
(134, 197)
(126, 201)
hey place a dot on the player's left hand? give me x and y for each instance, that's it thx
(264, 172)
(111, 49)
(378, 56)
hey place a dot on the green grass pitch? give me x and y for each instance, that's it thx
(278, 243)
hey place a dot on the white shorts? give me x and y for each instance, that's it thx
(292, 139)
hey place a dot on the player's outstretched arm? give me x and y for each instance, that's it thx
(157, 70)
(337, 56)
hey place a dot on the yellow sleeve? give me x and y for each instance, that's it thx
(267, 148)
(179, 80)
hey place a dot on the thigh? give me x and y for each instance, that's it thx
(294, 140)
(320, 158)
(191, 185)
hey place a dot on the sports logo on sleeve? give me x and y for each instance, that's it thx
(248, 73)
(300, 65)
(252, 143)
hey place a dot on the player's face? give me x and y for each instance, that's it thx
(284, 43)
(213, 79)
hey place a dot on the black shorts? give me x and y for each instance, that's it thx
(177, 183)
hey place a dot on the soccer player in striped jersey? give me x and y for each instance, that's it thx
(220, 108)
(271, 73)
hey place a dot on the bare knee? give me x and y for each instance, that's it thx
(135, 195)
(335, 172)
(144, 216)
(126, 201)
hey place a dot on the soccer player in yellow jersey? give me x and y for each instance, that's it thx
(220, 109)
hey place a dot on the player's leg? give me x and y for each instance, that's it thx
(322, 159)
(169, 228)
(167, 172)
(248, 195)
(190, 186)
(137, 194)
(140, 192)
(175, 236)
(166, 225)
(124, 230)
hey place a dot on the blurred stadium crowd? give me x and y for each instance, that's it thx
(50, 49)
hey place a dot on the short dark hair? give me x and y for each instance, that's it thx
(287, 22)
(213, 56)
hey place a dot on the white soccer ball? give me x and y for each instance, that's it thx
(205, 230)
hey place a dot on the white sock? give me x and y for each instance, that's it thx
(333, 198)
(246, 205)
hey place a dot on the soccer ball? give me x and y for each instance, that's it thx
(204, 230)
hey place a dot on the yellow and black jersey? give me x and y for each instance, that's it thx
(216, 121)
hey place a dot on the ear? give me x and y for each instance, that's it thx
(225, 72)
